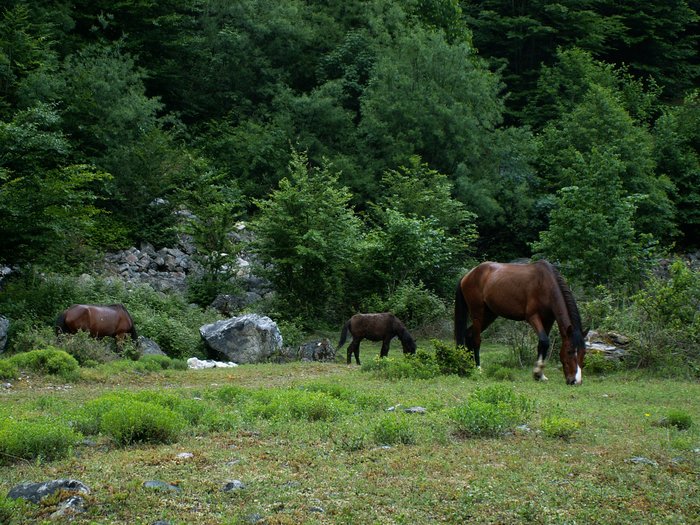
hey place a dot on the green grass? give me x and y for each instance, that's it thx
(325, 441)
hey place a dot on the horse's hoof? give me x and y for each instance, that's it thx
(539, 376)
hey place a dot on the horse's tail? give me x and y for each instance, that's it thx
(461, 315)
(60, 324)
(344, 334)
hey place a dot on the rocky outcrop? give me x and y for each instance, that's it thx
(610, 344)
(4, 327)
(246, 339)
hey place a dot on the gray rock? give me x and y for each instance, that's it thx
(161, 485)
(4, 326)
(35, 492)
(319, 350)
(233, 485)
(149, 347)
(69, 507)
(246, 339)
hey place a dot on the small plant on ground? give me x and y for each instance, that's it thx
(139, 422)
(48, 361)
(46, 441)
(491, 412)
(559, 427)
(598, 364)
(676, 418)
(9, 509)
(8, 370)
(454, 360)
(422, 365)
(394, 429)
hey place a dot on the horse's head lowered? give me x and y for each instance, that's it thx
(572, 353)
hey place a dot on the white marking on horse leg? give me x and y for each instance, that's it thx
(579, 375)
(538, 371)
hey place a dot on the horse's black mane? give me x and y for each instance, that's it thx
(571, 307)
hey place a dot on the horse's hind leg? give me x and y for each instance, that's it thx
(385, 348)
(542, 347)
(480, 322)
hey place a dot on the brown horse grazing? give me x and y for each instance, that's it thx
(535, 293)
(375, 327)
(98, 320)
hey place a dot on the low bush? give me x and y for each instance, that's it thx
(44, 441)
(676, 418)
(500, 373)
(138, 422)
(363, 400)
(422, 365)
(559, 427)
(491, 412)
(598, 364)
(87, 350)
(8, 369)
(454, 360)
(394, 429)
(296, 404)
(48, 361)
(9, 510)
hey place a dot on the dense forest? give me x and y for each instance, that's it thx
(375, 147)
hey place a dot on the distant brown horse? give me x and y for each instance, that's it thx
(99, 321)
(535, 293)
(375, 327)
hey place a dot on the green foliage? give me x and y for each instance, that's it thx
(306, 237)
(454, 360)
(42, 441)
(491, 411)
(84, 348)
(422, 365)
(559, 427)
(394, 429)
(598, 364)
(9, 510)
(591, 236)
(287, 405)
(8, 369)
(48, 361)
(679, 419)
(414, 304)
(140, 422)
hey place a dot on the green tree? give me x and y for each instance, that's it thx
(591, 231)
(306, 238)
(677, 153)
(600, 122)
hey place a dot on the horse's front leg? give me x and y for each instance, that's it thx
(542, 349)
(354, 348)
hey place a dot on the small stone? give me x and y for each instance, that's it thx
(161, 485)
(233, 485)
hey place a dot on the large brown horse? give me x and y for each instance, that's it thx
(99, 321)
(375, 327)
(535, 293)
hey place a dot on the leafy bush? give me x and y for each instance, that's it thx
(421, 365)
(86, 349)
(491, 412)
(48, 361)
(413, 303)
(559, 427)
(597, 363)
(44, 441)
(295, 404)
(392, 429)
(500, 373)
(676, 418)
(162, 362)
(88, 418)
(139, 422)
(359, 398)
(8, 369)
(9, 510)
(454, 360)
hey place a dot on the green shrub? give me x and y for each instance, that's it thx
(559, 427)
(88, 418)
(28, 338)
(86, 349)
(48, 361)
(491, 412)
(676, 418)
(295, 404)
(9, 510)
(454, 360)
(46, 441)
(139, 422)
(357, 397)
(8, 369)
(231, 394)
(500, 373)
(393, 429)
(413, 303)
(154, 363)
(422, 365)
(597, 363)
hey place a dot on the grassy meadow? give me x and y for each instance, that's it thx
(314, 443)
